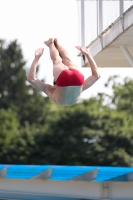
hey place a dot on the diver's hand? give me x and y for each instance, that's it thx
(83, 50)
(39, 52)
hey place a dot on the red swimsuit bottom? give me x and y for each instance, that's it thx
(70, 77)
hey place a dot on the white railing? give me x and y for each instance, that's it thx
(96, 15)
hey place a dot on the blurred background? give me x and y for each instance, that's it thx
(98, 130)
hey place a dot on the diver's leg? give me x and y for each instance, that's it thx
(64, 55)
(58, 66)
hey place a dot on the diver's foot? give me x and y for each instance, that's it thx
(49, 42)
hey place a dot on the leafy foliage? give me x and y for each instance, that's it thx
(14, 92)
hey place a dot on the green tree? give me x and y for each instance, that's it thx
(63, 142)
(20, 147)
(12, 82)
(123, 96)
(9, 129)
(15, 94)
(86, 134)
(9, 125)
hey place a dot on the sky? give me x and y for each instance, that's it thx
(32, 22)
